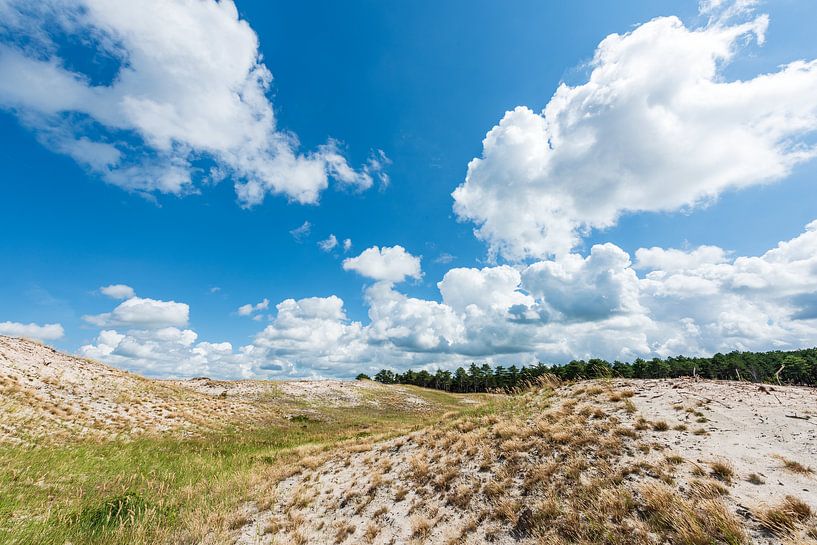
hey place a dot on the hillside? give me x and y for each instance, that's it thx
(637, 462)
(46, 395)
(93, 455)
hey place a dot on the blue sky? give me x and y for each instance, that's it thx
(423, 82)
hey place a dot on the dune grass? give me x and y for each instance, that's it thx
(160, 489)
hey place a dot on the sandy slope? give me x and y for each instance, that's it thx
(484, 480)
(46, 395)
(747, 426)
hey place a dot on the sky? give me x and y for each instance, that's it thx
(317, 189)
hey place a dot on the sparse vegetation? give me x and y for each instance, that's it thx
(794, 466)
(552, 464)
(156, 489)
(784, 518)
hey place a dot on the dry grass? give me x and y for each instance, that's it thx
(421, 526)
(343, 531)
(785, 517)
(660, 425)
(708, 488)
(754, 478)
(795, 467)
(544, 469)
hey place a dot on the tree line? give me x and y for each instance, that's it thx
(792, 367)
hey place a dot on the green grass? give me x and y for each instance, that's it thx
(154, 489)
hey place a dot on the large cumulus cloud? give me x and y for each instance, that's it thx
(657, 127)
(185, 97)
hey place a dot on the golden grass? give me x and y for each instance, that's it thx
(784, 518)
(795, 467)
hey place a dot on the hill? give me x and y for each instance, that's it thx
(46, 395)
(637, 462)
(95, 455)
(90, 454)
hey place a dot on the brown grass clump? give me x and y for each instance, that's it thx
(708, 488)
(795, 467)
(690, 523)
(400, 493)
(371, 532)
(343, 531)
(785, 517)
(421, 526)
(722, 470)
(660, 425)
(754, 478)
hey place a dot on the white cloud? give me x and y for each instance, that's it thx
(672, 259)
(144, 313)
(410, 324)
(329, 244)
(642, 134)
(347, 244)
(389, 264)
(246, 310)
(169, 352)
(299, 233)
(118, 291)
(491, 288)
(46, 332)
(176, 96)
(586, 289)
(690, 302)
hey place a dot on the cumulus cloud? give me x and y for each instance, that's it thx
(696, 301)
(163, 100)
(143, 312)
(118, 291)
(246, 310)
(168, 352)
(672, 259)
(586, 289)
(642, 134)
(347, 244)
(387, 264)
(490, 288)
(329, 244)
(46, 332)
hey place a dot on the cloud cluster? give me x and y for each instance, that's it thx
(694, 301)
(175, 85)
(641, 135)
(47, 332)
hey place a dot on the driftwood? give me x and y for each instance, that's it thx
(708, 400)
(777, 374)
(806, 418)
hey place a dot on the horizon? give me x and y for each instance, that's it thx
(321, 190)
